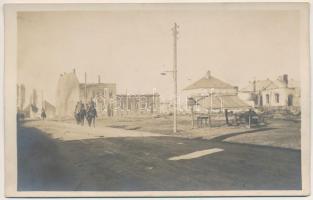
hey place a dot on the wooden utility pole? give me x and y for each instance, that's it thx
(85, 87)
(211, 103)
(226, 117)
(191, 103)
(175, 33)
(249, 120)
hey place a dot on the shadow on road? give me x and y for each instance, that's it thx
(223, 137)
(41, 165)
(141, 164)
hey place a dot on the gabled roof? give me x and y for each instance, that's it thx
(293, 83)
(268, 84)
(48, 105)
(30, 107)
(230, 101)
(278, 84)
(209, 82)
(259, 85)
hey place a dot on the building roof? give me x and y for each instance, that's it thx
(31, 107)
(278, 84)
(258, 85)
(269, 84)
(89, 85)
(47, 105)
(231, 101)
(208, 82)
(293, 83)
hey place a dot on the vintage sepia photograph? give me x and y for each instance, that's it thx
(163, 99)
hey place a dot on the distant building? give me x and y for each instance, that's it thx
(166, 107)
(267, 93)
(33, 108)
(49, 109)
(70, 91)
(138, 103)
(34, 112)
(21, 94)
(103, 94)
(212, 94)
(31, 111)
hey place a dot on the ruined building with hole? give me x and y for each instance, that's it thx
(70, 91)
(273, 94)
(108, 103)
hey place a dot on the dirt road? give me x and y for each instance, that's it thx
(53, 158)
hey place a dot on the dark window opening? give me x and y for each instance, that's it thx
(277, 98)
(290, 100)
(267, 99)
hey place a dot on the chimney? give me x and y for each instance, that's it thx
(208, 74)
(254, 86)
(236, 89)
(99, 80)
(285, 79)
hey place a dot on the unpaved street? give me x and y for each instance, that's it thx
(55, 156)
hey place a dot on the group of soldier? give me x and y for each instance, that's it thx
(87, 111)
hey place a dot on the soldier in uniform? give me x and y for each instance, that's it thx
(43, 114)
(82, 114)
(91, 115)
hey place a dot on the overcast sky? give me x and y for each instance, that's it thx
(132, 47)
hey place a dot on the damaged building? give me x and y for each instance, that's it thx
(279, 93)
(70, 91)
(20, 97)
(108, 103)
(138, 103)
(34, 107)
